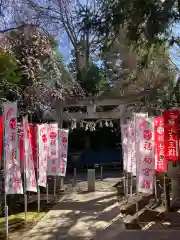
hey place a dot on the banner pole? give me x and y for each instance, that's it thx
(155, 187)
(54, 185)
(131, 175)
(5, 177)
(131, 188)
(74, 176)
(38, 188)
(137, 193)
(5, 201)
(25, 194)
(47, 193)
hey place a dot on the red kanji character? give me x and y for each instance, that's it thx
(64, 146)
(62, 163)
(146, 171)
(53, 161)
(64, 155)
(53, 170)
(45, 147)
(147, 160)
(53, 142)
(64, 140)
(147, 134)
(53, 135)
(13, 137)
(143, 124)
(16, 184)
(44, 138)
(147, 146)
(12, 123)
(13, 153)
(146, 184)
(53, 153)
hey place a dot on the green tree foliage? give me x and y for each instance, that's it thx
(9, 74)
(93, 80)
(146, 20)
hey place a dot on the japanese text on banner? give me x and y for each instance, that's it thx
(145, 159)
(13, 180)
(53, 149)
(32, 134)
(139, 119)
(43, 144)
(63, 136)
(160, 161)
(28, 159)
(131, 147)
(171, 118)
(124, 136)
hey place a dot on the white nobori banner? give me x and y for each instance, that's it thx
(43, 144)
(63, 151)
(28, 159)
(131, 147)
(145, 156)
(53, 150)
(13, 180)
(124, 136)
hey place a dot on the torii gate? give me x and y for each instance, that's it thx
(90, 106)
(118, 104)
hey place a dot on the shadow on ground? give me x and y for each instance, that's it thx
(74, 219)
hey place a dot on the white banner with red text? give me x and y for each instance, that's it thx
(13, 180)
(124, 139)
(145, 149)
(53, 150)
(131, 147)
(63, 151)
(31, 184)
(43, 145)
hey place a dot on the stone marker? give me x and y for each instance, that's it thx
(91, 180)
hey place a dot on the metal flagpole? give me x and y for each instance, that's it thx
(155, 188)
(25, 168)
(131, 175)
(74, 176)
(38, 188)
(5, 176)
(137, 194)
(124, 173)
(47, 193)
(54, 185)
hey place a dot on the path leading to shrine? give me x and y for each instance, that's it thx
(80, 215)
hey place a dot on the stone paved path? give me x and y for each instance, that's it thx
(91, 216)
(80, 215)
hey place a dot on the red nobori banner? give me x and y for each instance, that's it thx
(171, 118)
(160, 161)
